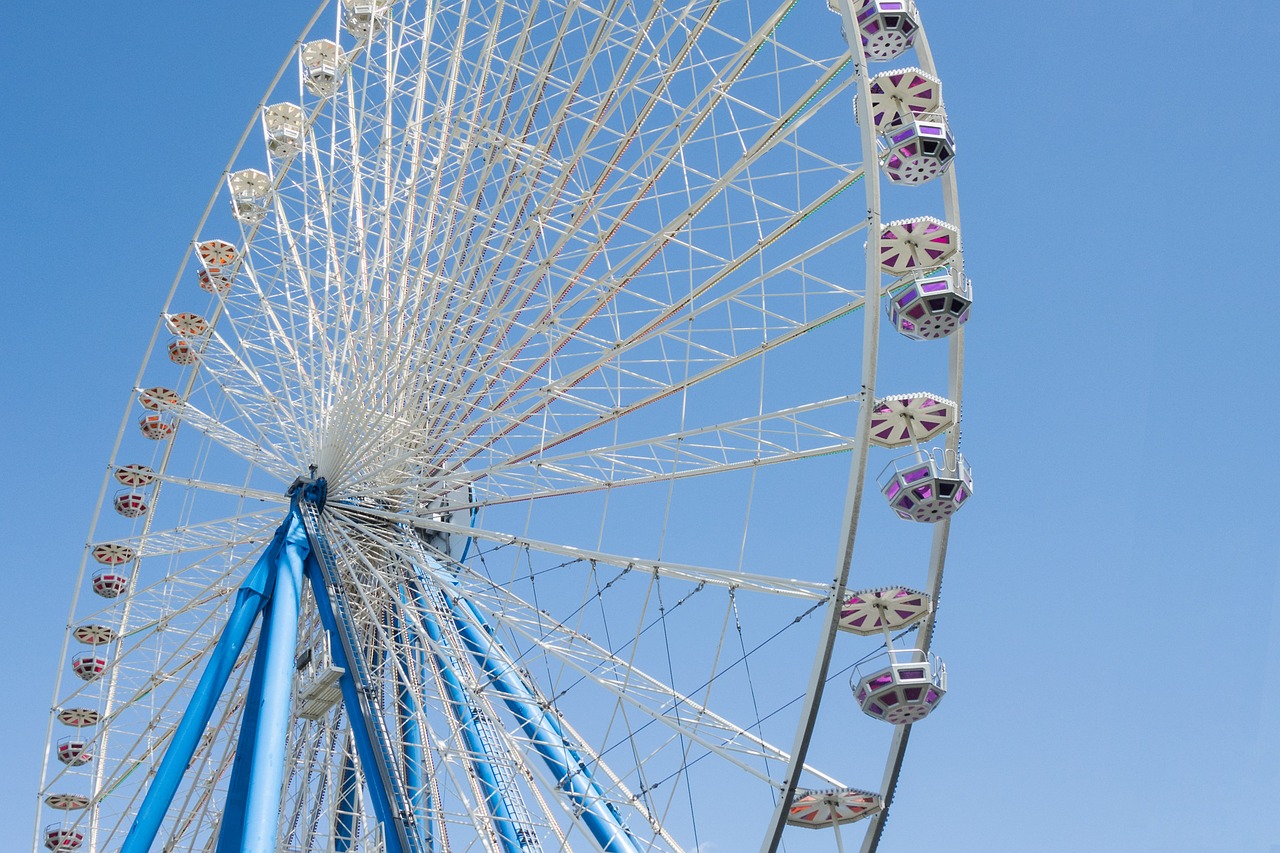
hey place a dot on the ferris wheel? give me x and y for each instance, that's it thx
(493, 478)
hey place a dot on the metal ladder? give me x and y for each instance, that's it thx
(387, 766)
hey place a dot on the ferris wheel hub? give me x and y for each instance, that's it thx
(310, 488)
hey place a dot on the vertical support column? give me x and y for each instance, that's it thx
(266, 773)
(253, 595)
(344, 831)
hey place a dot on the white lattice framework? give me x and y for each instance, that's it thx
(566, 303)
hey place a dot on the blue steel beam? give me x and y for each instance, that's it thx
(231, 829)
(415, 774)
(598, 815)
(266, 775)
(416, 771)
(253, 595)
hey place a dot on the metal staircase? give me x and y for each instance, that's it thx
(369, 714)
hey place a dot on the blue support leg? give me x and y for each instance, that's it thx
(253, 595)
(542, 728)
(416, 771)
(266, 775)
(231, 829)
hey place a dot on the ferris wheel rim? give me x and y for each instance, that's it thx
(942, 529)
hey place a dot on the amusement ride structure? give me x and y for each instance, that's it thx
(493, 477)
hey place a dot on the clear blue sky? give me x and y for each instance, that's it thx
(1110, 614)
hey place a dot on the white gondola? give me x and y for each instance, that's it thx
(113, 554)
(58, 837)
(110, 584)
(322, 65)
(832, 807)
(94, 635)
(134, 475)
(130, 504)
(188, 324)
(927, 487)
(914, 682)
(874, 611)
(182, 352)
(902, 420)
(250, 195)
(158, 398)
(67, 802)
(284, 129)
(156, 427)
(78, 717)
(888, 27)
(74, 752)
(932, 306)
(918, 152)
(901, 95)
(89, 666)
(362, 18)
(217, 260)
(906, 691)
(914, 245)
(318, 685)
